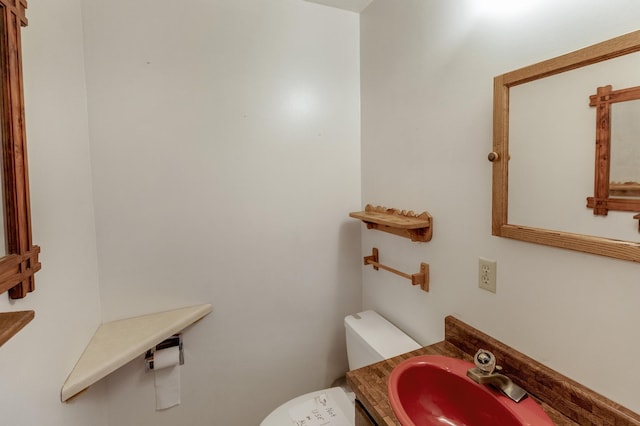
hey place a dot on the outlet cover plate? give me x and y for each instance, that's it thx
(487, 272)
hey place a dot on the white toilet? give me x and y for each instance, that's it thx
(370, 338)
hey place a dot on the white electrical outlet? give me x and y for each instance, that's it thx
(487, 274)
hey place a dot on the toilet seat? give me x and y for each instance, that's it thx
(340, 399)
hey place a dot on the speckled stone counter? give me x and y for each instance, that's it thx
(564, 400)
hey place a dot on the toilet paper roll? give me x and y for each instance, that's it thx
(166, 367)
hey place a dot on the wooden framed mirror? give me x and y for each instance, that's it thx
(501, 224)
(19, 260)
(617, 163)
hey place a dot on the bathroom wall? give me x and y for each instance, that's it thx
(427, 70)
(36, 362)
(225, 148)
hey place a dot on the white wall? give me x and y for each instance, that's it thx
(226, 156)
(36, 362)
(427, 75)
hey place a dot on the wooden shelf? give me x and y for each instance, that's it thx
(117, 342)
(398, 222)
(12, 322)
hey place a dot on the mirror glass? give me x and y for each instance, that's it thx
(625, 149)
(552, 146)
(3, 219)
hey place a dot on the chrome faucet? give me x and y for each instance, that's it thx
(484, 374)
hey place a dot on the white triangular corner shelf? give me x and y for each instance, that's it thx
(116, 343)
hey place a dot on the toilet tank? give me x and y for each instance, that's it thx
(371, 338)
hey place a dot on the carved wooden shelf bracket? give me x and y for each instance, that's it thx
(419, 278)
(398, 222)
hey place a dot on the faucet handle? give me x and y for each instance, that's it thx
(485, 361)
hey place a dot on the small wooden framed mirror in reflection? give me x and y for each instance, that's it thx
(19, 259)
(617, 161)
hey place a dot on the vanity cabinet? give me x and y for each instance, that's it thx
(566, 402)
(362, 416)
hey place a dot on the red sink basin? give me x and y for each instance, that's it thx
(435, 390)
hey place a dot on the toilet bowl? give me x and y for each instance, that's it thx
(339, 401)
(370, 338)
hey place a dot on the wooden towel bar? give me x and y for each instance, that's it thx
(420, 278)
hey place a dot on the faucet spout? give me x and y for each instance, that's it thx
(498, 381)
(485, 374)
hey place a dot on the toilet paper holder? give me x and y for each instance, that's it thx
(175, 340)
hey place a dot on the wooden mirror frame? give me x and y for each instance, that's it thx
(626, 250)
(602, 201)
(18, 267)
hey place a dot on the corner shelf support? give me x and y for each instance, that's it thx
(420, 278)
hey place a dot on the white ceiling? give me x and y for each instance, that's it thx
(352, 5)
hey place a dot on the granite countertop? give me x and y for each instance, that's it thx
(565, 401)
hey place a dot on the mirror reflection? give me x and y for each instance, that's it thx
(624, 174)
(551, 148)
(3, 219)
(616, 166)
